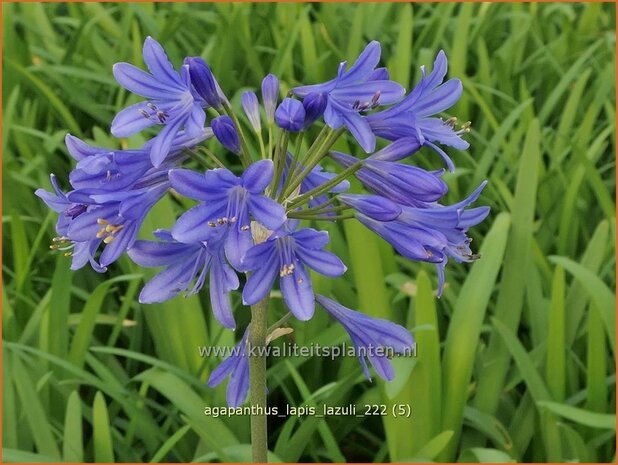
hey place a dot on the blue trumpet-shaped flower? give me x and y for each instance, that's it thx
(186, 268)
(374, 339)
(415, 114)
(405, 184)
(170, 101)
(229, 202)
(236, 367)
(433, 233)
(81, 252)
(354, 91)
(285, 254)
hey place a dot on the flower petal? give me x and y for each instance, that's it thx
(189, 183)
(130, 121)
(163, 142)
(267, 211)
(257, 176)
(141, 83)
(222, 280)
(298, 293)
(159, 65)
(152, 253)
(261, 280)
(322, 261)
(193, 225)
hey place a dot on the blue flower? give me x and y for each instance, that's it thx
(204, 81)
(115, 218)
(251, 106)
(81, 252)
(236, 367)
(290, 115)
(224, 130)
(186, 268)
(228, 202)
(285, 254)
(170, 101)
(372, 338)
(414, 114)
(433, 233)
(354, 91)
(405, 184)
(270, 95)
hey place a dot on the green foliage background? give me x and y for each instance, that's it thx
(516, 362)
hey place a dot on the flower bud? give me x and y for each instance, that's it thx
(314, 105)
(203, 81)
(251, 106)
(270, 95)
(290, 115)
(374, 206)
(225, 131)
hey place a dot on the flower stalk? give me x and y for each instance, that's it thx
(257, 380)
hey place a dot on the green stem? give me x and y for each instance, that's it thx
(246, 155)
(257, 380)
(313, 160)
(322, 188)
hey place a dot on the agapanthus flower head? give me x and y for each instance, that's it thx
(170, 100)
(290, 115)
(373, 338)
(285, 254)
(247, 218)
(353, 92)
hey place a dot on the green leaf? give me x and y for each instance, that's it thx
(581, 416)
(101, 435)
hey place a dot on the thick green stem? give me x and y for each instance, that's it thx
(257, 380)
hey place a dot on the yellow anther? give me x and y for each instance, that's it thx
(101, 233)
(101, 221)
(67, 254)
(108, 239)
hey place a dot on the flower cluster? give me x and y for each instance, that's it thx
(257, 221)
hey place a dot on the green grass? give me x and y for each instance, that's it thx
(516, 362)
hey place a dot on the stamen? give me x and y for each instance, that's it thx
(144, 113)
(162, 116)
(102, 221)
(67, 254)
(108, 239)
(375, 99)
(244, 228)
(299, 280)
(452, 121)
